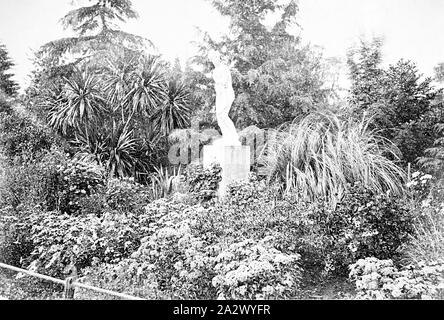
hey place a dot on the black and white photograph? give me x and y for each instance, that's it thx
(222, 155)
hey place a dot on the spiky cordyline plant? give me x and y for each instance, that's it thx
(174, 112)
(82, 104)
(318, 156)
(116, 82)
(147, 89)
(115, 149)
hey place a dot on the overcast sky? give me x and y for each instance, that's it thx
(412, 28)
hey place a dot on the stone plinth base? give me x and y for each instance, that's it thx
(234, 161)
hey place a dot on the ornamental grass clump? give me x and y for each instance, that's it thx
(318, 156)
(427, 242)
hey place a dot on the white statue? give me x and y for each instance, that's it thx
(224, 100)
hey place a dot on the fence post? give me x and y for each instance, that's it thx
(69, 290)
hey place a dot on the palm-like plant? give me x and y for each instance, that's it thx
(117, 79)
(318, 156)
(174, 113)
(115, 149)
(121, 147)
(82, 105)
(147, 89)
(123, 120)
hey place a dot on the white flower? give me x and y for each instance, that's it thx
(425, 203)
(415, 174)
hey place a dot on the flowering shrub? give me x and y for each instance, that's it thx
(178, 258)
(77, 179)
(380, 279)
(256, 270)
(183, 257)
(62, 241)
(362, 224)
(420, 185)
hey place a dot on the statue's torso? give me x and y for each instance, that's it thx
(222, 80)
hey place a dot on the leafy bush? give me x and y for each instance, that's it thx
(20, 137)
(363, 224)
(60, 242)
(256, 270)
(25, 184)
(244, 193)
(53, 182)
(204, 182)
(31, 182)
(380, 279)
(256, 246)
(15, 244)
(126, 195)
(5, 106)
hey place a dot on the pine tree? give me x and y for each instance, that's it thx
(98, 40)
(7, 85)
(96, 30)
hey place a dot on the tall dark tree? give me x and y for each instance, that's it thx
(366, 75)
(410, 109)
(7, 85)
(402, 104)
(275, 78)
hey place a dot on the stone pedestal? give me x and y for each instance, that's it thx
(234, 161)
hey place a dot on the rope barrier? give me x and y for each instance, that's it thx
(69, 284)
